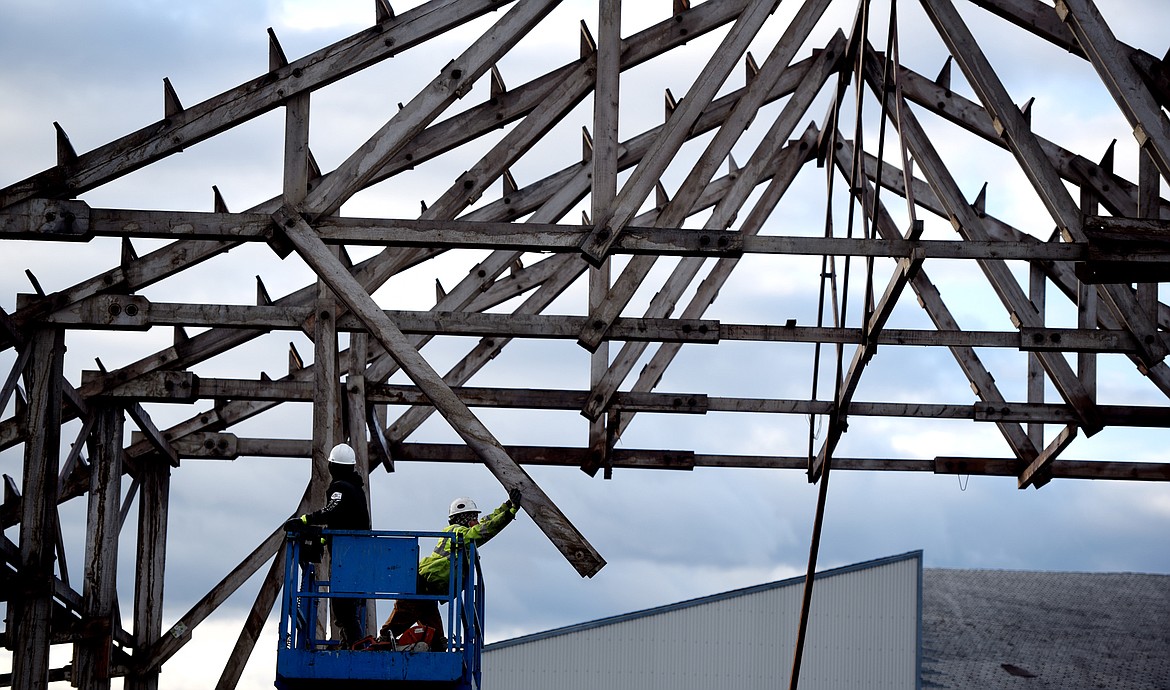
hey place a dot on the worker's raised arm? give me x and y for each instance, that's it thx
(491, 525)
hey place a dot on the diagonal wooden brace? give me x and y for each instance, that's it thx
(571, 543)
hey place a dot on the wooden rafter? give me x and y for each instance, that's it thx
(647, 199)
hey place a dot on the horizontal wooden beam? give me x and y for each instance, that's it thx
(1059, 469)
(46, 219)
(131, 312)
(1139, 242)
(290, 390)
(227, 447)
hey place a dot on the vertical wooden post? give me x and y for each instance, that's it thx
(296, 148)
(1038, 295)
(325, 406)
(1087, 309)
(605, 152)
(154, 476)
(1149, 202)
(355, 393)
(91, 660)
(32, 607)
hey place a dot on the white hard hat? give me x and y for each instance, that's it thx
(462, 504)
(342, 454)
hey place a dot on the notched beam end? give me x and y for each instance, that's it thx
(279, 242)
(208, 446)
(596, 245)
(47, 219)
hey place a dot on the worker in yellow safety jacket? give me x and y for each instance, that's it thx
(434, 571)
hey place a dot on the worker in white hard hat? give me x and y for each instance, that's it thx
(434, 571)
(345, 508)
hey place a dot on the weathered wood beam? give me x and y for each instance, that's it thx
(1035, 17)
(746, 108)
(1095, 180)
(536, 503)
(685, 460)
(680, 403)
(969, 226)
(93, 654)
(455, 80)
(1138, 240)
(606, 99)
(151, 433)
(772, 155)
(32, 608)
(791, 158)
(1036, 474)
(150, 567)
(982, 382)
(676, 131)
(1119, 195)
(240, 390)
(326, 429)
(550, 276)
(1034, 378)
(1112, 60)
(249, 100)
(1026, 148)
(13, 380)
(1059, 469)
(561, 238)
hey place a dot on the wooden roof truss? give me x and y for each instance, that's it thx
(1107, 257)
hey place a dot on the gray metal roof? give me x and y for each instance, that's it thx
(1012, 629)
(1027, 629)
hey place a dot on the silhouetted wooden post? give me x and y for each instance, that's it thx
(91, 661)
(154, 475)
(32, 607)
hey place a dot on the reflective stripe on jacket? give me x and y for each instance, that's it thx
(434, 571)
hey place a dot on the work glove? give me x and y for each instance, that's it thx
(294, 525)
(514, 497)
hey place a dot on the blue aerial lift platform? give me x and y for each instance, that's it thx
(372, 566)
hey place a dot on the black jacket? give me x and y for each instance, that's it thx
(345, 506)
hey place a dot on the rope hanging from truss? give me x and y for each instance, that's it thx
(828, 272)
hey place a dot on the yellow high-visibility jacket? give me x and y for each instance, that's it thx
(434, 571)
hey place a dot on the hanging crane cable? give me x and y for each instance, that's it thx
(858, 182)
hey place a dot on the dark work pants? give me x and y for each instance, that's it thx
(347, 613)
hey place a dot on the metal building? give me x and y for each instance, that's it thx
(634, 253)
(878, 624)
(864, 631)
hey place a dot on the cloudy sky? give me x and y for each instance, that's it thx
(97, 69)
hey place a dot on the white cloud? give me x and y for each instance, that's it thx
(667, 535)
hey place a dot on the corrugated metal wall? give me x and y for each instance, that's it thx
(863, 633)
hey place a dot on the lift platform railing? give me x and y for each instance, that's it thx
(372, 566)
